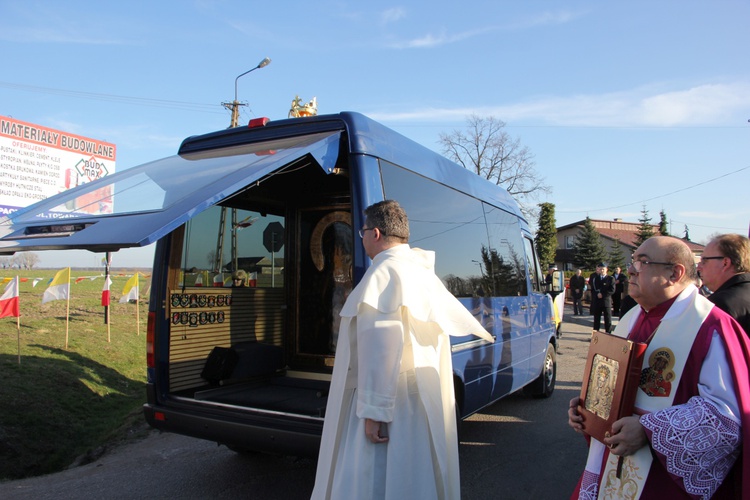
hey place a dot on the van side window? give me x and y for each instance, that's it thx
(504, 260)
(446, 221)
(535, 271)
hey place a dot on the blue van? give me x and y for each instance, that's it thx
(256, 251)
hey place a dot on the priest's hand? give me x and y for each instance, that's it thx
(376, 432)
(627, 437)
(574, 418)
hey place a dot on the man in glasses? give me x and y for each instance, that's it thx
(390, 421)
(693, 439)
(725, 270)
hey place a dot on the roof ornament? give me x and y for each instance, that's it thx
(299, 110)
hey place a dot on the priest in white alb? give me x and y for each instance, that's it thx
(390, 422)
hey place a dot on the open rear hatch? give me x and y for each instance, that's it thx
(137, 206)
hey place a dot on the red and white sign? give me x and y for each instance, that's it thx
(37, 162)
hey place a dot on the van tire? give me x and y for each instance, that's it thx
(544, 385)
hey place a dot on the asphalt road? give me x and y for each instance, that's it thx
(518, 448)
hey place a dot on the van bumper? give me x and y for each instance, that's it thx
(241, 433)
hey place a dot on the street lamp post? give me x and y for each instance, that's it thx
(235, 105)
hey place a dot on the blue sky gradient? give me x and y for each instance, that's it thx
(623, 104)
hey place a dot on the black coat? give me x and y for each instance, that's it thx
(604, 285)
(620, 287)
(577, 283)
(734, 298)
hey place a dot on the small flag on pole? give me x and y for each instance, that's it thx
(130, 292)
(59, 288)
(9, 300)
(105, 291)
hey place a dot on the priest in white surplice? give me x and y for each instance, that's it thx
(390, 425)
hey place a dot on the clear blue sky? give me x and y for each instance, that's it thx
(623, 104)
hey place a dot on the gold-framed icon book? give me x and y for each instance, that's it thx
(610, 382)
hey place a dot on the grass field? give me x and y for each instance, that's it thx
(60, 404)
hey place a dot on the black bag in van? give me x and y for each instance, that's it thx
(219, 364)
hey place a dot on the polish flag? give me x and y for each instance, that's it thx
(105, 291)
(9, 300)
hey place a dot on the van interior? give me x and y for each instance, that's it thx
(265, 341)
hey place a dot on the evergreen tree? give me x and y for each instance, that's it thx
(588, 249)
(616, 257)
(663, 227)
(546, 234)
(645, 229)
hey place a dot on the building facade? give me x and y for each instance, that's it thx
(612, 232)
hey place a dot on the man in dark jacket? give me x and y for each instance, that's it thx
(602, 287)
(577, 287)
(725, 269)
(620, 280)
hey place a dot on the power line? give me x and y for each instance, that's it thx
(139, 101)
(641, 202)
(711, 226)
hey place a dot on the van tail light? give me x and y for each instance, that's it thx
(150, 339)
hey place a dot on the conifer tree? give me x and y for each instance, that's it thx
(616, 257)
(645, 229)
(663, 227)
(546, 234)
(588, 249)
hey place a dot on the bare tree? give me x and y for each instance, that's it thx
(27, 260)
(488, 150)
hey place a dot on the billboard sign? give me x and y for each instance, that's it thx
(37, 162)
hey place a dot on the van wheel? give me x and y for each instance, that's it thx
(544, 385)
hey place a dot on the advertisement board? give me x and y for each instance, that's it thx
(37, 162)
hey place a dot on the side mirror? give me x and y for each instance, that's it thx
(558, 281)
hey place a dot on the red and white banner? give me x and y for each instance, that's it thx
(9, 300)
(105, 291)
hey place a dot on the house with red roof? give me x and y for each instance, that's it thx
(612, 232)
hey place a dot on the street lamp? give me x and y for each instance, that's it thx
(235, 105)
(480, 267)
